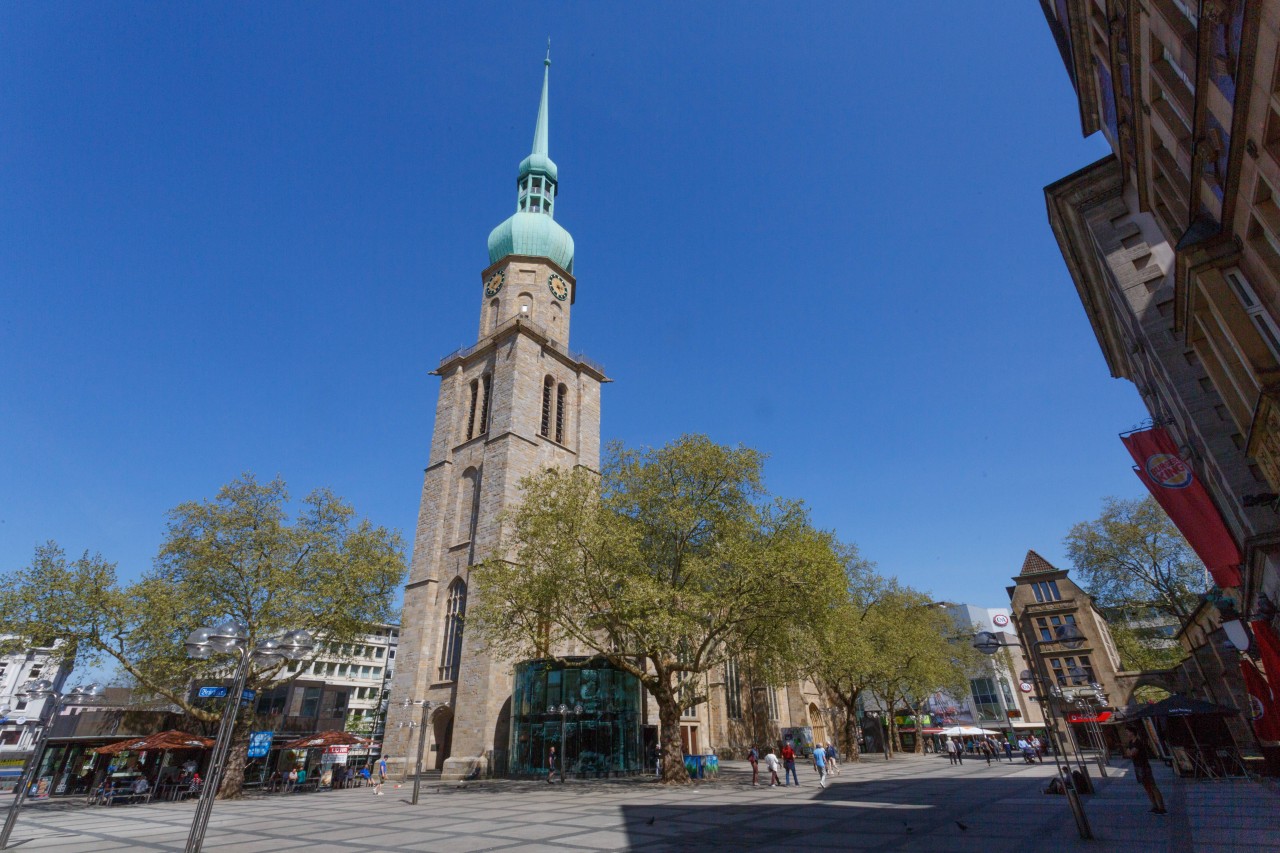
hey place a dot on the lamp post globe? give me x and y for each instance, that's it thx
(1068, 635)
(986, 642)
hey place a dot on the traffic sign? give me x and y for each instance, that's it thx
(212, 693)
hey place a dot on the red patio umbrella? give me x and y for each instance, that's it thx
(329, 738)
(172, 739)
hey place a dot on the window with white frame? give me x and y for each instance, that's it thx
(1253, 306)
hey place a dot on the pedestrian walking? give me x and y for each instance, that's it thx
(551, 766)
(1008, 750)
(771, 762)
(382, 776)
(951, 751)
(832, 765)
(820, 764)
(987, 750)
(1038, 746)
(789, 765)
(754, 758)
(1136, 751)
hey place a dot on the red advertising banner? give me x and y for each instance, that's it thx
(1269, 651)
(1174, 486)
(1264, 711)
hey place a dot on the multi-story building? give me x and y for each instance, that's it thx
(1043, 600)
(18, 727)
(995, 699)
(1173, 241)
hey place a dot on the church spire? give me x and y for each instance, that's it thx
(532, 230)
(542, 128)
(539, 163)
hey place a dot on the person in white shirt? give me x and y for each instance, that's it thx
(771, 761)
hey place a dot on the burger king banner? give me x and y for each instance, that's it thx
(1264, 711)
(1174, 486)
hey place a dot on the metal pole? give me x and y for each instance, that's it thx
(229, 713)
(422, 740)
(1073, 797)
(564, 713)
(28, 777)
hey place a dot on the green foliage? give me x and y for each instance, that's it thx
(1142, 650)
(1132, 558)
(671, 562)
(236, 556)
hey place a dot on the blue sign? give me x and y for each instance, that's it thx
(260, 744)
(247, 695)
(212, 693)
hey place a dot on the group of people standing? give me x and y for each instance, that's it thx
(825, 762)
(992, 747)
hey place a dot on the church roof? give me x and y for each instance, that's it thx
(1034, 564)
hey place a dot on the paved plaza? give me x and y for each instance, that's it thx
(912, 803)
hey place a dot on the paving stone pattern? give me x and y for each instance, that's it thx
(911, 803)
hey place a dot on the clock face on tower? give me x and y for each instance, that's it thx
(559, 289)
(494, 284)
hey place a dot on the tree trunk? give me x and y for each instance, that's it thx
(852, 749)
(673, 771)
(895, 745)
(237, 756)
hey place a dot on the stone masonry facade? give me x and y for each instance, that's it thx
(488, 436)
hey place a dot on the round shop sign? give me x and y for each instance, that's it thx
(999, 620)
(1168, 470)
(1025, 687)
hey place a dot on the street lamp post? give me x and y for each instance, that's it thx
(1085, 700)
(563, 711)
(42, 689)
(225, 638)
(989, 643)
(427, 705)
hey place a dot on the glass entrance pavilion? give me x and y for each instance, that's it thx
(603, 739)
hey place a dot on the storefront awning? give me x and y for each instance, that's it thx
(1101, 717)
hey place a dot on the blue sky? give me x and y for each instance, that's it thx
(236, 237)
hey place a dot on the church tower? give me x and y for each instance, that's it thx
(515, 402)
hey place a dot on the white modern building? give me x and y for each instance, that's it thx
(998, 697)
(349, 682)
(18, 725)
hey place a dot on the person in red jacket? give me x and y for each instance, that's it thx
(789, 764)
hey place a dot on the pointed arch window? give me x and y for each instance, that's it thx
(548, 388)
(455, 614)
(480, 393)
(562, 394)
(486, 383)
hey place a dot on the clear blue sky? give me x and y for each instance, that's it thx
(236, 237)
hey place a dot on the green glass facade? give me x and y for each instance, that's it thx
(603, 740)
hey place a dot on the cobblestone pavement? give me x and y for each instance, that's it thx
(911, 803)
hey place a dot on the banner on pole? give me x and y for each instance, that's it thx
(1175, 487)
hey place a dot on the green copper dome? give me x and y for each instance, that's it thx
(532, 229)
(535, 234)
